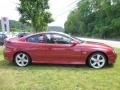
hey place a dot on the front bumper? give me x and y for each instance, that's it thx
(112, 57)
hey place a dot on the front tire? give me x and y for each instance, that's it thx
(97, 60)
(22, 59)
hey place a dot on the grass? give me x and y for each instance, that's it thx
(58, 77)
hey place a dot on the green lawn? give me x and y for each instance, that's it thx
(58, 77)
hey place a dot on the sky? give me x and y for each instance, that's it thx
(60, 9)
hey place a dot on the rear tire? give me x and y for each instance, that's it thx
(97, 60)
(22, 59)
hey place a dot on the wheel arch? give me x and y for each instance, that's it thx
(97, 52)
(21, 52)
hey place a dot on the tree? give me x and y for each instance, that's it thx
(16, 26)
(95, 18)
(35, 13)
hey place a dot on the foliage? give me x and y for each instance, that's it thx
(35, 13)
(56, 28)
(95, 18)
(16, 26)
(58, 77)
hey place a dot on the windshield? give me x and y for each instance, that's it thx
(78, 39)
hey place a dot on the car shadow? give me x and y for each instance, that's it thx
(10, 66)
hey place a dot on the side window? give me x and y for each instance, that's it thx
(36, 39)
(49, 38)
(58, 38)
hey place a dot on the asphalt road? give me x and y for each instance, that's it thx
(115, 44)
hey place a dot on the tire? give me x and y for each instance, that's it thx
(97, 60)
(22, 59)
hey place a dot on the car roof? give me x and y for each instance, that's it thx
(51, 32)
(47, 32)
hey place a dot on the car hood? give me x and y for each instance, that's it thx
(96, 44)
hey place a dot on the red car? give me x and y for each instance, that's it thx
(57, 48)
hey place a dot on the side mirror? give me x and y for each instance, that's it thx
(73, 43)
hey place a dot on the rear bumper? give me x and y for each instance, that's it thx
(8, 55)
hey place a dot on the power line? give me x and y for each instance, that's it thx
(69, 7)
(74, 2)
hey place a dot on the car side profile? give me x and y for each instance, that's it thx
(57, 48)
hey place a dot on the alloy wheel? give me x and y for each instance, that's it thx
(22, 59)
(97, 60)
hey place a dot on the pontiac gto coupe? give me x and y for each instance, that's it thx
(57, 48)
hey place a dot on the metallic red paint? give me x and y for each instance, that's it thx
(74, 53)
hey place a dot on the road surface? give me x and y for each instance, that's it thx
(115, 44)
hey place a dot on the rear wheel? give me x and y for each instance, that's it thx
(97, 60)
(21, 59)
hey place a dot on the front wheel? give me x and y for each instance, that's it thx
(21, 59)
(97, 60)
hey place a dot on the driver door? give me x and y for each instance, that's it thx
(61, 50)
